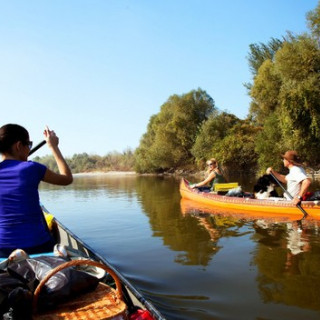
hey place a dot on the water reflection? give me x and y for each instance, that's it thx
(286, 253)
(287, 257)
(195, 263)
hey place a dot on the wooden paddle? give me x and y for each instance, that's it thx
(38, 146)
(289, 195)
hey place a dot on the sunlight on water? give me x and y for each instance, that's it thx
(194, 263)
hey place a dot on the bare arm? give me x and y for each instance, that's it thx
(305, 184)
(211, 176)
(279, 176)
(64, 177)
(304, 188)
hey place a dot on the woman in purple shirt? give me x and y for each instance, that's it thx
(22, 224)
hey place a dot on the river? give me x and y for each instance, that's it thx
(189, 263)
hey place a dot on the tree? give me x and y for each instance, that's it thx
(313, 20)
(268, 144)
(265, 92)
(286, 90)
(172, 132)
(236, 152)
(212, 132)
(261, 52)
(298, 64)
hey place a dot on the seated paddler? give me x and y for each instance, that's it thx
(22, 224)
(297, 180)
(213, 175)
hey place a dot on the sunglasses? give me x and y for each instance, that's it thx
(209, 164)
(29, 144)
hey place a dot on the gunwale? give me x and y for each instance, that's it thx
(270, 207)
(72, 242)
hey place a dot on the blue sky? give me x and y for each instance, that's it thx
(96, 71)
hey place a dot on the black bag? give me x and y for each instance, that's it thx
(315, 196)
(7, 285)
(62, 286)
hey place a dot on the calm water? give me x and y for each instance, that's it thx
(189, 263)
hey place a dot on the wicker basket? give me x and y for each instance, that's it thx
(103, 303)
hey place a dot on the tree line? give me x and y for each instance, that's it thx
(83, 162)
(284, 114)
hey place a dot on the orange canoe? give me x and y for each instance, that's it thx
(248, 205)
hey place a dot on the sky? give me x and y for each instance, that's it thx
(95, 71)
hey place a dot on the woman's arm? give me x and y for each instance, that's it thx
(64, 177)
(211, 176)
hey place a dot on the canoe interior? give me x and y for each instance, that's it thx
(132, 296)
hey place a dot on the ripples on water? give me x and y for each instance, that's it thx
(192, 262)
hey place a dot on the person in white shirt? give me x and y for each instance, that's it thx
(297, 180)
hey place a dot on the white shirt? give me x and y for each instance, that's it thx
(294, 178)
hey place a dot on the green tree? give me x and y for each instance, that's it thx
(298, 64)
(172, 132)
(286, 89)
(48, 161)
(265, 92)
(261, 52)
(313, 20)
(268, 144)
(211, 133)
(143, 158)
(236, 152)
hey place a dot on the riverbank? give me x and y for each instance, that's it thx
(179, 172)
(98, 173)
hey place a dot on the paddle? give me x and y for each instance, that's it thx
(289, 195)
(38, 146)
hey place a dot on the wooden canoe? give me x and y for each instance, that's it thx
(248, 205)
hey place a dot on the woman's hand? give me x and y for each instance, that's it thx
(50, 137)
(64, 177)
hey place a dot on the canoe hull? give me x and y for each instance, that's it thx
(247, 205)
(133, 297)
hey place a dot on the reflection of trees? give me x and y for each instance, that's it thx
(288, 272)
(195, 237)
(160, 201)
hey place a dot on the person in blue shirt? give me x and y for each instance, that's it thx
(22, 224)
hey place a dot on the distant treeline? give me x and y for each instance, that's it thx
(284, 114)
(84, 162)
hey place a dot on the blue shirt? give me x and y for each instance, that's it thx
(21, 219)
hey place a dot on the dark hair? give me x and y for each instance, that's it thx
(10, 134)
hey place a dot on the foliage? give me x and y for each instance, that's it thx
(83, 162)
(265, 92)
(172, 132)
(261, 52)
(287, 90)
(211, 133)
(313, 19)
(236, 151)
(268, 144)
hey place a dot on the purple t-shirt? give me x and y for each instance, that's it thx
(21, 219)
